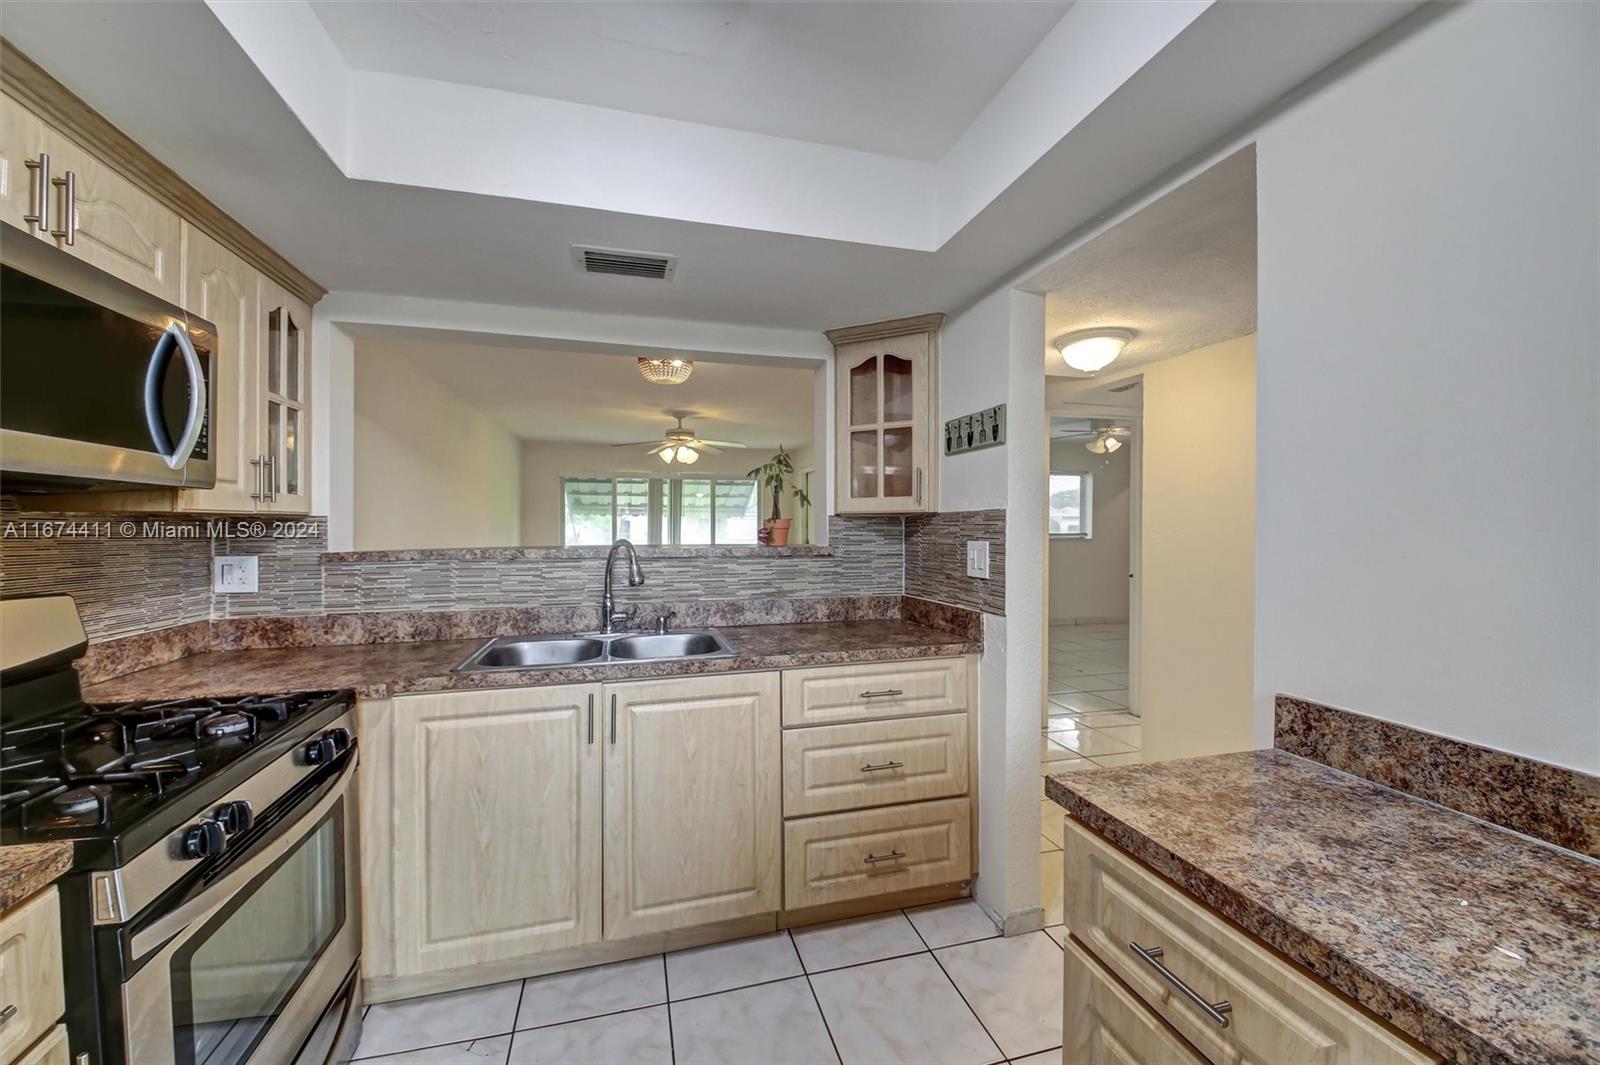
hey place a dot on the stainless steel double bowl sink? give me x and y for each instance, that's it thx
(595, 649)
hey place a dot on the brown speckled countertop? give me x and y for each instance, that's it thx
(28, 868)
(1481, 943)
(379, 669)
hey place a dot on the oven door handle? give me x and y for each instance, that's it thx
(163, 929)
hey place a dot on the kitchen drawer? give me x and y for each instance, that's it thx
(838, 857)
(30, 972)
(1280, 1014)
(874, 763)
(832, 695)
(1105, 1024)
(50, 1050)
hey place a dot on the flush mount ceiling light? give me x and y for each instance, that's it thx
(665, 371)
(1092, 350)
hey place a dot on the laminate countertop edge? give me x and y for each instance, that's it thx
(28, 868)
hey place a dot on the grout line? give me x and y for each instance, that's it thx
(952, 983)
(826, 1027)
(666, 988)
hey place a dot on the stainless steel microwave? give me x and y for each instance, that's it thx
(102, 385)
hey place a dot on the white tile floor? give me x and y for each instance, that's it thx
(928, 985)
(1090, 725)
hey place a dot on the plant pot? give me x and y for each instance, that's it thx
(778, 531)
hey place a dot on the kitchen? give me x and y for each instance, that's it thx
(548, 649)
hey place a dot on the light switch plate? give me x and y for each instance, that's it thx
(978, 559)
(235, 573)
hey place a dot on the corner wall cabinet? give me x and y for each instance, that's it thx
(886, 411)
(512, 831)
(72, 179)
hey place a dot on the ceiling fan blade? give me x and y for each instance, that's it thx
(722, 443)
(701, 445)
(659, 448)
(640, 443)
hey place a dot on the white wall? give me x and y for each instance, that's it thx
(1196, 588)
(430, 469)
(1430, 335)
(993, 353)
(1089, 578)
(544, 463)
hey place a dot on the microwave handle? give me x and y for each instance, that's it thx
(176, 334)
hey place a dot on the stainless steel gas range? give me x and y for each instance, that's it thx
(212, 913)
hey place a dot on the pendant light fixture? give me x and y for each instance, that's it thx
(1092, 350)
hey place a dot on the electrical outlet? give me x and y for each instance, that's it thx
(235, 573)
(978, 559)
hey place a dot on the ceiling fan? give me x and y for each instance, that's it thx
(680, 444)
(1101, 437)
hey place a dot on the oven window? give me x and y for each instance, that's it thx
(232, 979)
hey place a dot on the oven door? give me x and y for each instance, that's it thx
(243, 968)
(104, 384)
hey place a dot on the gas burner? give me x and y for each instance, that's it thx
(80, 800)
(224, 724)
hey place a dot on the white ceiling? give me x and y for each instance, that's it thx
(588, 398)
(903, 79)
(439, 200)
(1181, 272)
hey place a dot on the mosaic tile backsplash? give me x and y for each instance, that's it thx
(131, 585)
(936, 559)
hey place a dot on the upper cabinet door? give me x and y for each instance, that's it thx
(21, 143)
(692, 802)
(285, 382)
(885, 423)
(101, 217)
(221, 288)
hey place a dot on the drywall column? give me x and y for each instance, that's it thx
(990, 353)
(333, 416)
(1429, 488)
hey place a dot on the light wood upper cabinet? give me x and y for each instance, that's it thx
(21, 142)
(103, 218)
(692, 824)
(284, 379)
(222, 288)
(494, 824)
(885, 416)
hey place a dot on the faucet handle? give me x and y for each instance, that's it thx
(623, 617)
(664, 621)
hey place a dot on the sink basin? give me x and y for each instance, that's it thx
(668, 645)
(518, 652)
(598, 649)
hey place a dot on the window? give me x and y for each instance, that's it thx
(659, 510)
(1070, 496)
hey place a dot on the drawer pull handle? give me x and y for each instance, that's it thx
(877, 767)
(885, 694)
(1216, 1011)
(9, 1012)
(892, 856)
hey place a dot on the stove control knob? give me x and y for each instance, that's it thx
(320, 750)
(340, 738)
(235, 817)
(203, 839)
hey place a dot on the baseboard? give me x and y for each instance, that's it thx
(1067, 622)
(1023, 921)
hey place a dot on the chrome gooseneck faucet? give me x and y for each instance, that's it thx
(609, 617)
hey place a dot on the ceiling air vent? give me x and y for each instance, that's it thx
(625, 263)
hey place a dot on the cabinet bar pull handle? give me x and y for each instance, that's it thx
(613, 720)
(871, 768)
(886, 693)
(892, 856)
(68, 233)
(39, 192)
(1216, 1011)
(919, 486)
(591, 719)
(9, 1012)
(272, 478)
(260, 492)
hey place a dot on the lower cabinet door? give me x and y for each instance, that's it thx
(51, 1049)
(496, 830)
(1105, 1024)
(692, 802)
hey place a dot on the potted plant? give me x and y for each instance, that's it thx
(773, 473)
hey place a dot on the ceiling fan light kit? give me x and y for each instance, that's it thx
(1103, 444)
(1092, 350)
(665, 371)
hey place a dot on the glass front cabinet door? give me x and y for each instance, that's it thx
(281, 481)
(886, 407)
